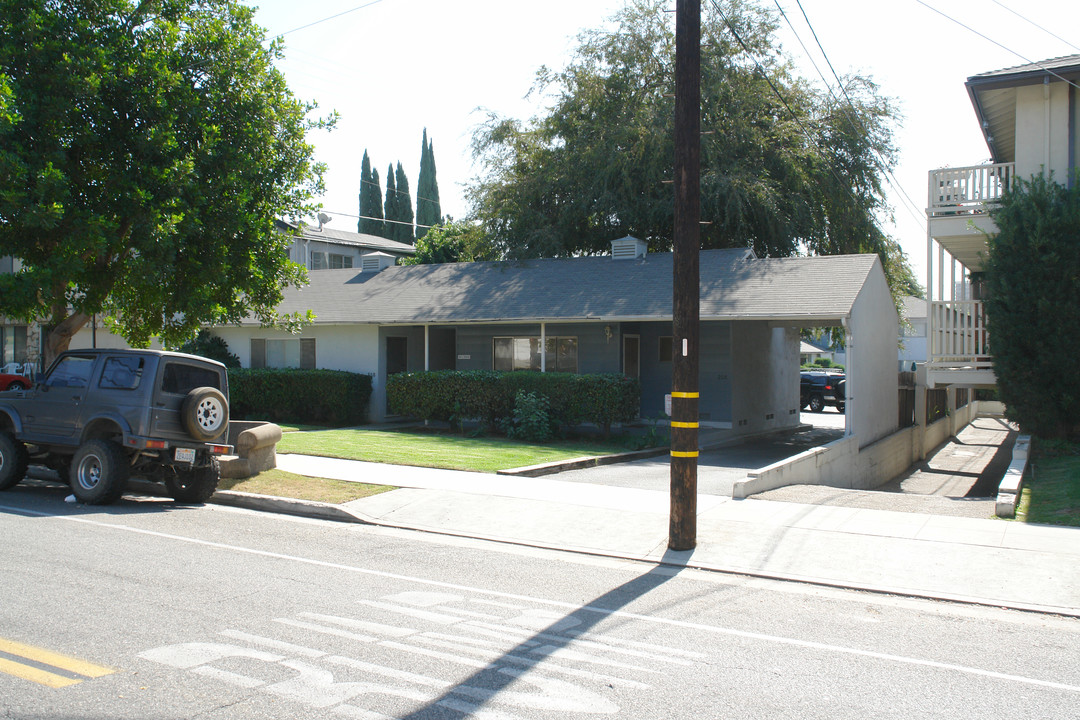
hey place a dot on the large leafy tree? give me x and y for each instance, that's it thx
(785, 169)
(452, 242)
(146, 149)
(1033, 305)
(428, 207)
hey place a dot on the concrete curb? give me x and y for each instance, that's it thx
(1009, 490)
(559, 466)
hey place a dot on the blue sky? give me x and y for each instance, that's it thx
(393, 67)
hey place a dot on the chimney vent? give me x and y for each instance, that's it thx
(628, 248)
(376, 262)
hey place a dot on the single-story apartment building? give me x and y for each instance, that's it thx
(601, 314)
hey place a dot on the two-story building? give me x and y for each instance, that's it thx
(1030, 118)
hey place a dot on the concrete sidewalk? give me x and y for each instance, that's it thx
(983, 561)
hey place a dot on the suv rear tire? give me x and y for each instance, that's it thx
(205, 413)
(817, 403)
(99, 472)
(196, 485)
(13, 461)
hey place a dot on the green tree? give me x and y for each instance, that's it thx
(145, 152)
(1033, 305)
(403, 229)
(801, 174)
(390, 205)
(452, 242)
(371, 201)
(428, 208)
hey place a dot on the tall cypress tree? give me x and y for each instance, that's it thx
(428, 209)
(371, 210)
(403, 229)
(390, 206)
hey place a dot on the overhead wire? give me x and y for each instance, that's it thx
(806, 131)
(331, 17)
(912, 207)
(1032, 22)
(1039, 65)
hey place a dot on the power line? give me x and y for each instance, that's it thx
(853, 116)
(1029, 20)
(325, 19)
(784, 102)
(1003, 47)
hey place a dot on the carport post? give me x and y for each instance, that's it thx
(686, 293)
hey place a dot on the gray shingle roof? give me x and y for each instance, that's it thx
(584, 288)
(354, 239)
(1057, 65)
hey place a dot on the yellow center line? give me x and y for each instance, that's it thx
(49, 658)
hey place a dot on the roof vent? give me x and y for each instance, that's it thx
(376, 262)
(628, 248)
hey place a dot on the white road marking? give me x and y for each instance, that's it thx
(279, 645)
(371, 627)
(328, 630)
(571, 607)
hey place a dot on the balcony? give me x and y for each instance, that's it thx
(959, 201)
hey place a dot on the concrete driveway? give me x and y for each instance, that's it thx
(718, 469)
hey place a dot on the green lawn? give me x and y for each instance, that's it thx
(1051, 493)
(438, 450)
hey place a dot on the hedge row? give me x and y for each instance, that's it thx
(319, 397)
(488, 396)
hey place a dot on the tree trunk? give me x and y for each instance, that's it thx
(59, 338)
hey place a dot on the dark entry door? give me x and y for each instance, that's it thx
(397, 359)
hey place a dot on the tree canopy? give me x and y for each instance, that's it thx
(371, 200)
(786, 169)
(452, 242)
(146, 149)
(1033, 305)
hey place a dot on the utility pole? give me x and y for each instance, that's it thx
(682, 527)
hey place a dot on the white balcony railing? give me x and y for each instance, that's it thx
(958, 336)
(967, 190)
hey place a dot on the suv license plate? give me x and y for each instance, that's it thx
(184, 455)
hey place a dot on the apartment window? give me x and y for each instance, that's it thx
(287, 353)
(666, 345)
(13, 344)
(523, 353)
(332, 261)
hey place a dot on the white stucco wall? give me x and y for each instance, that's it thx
(1035, 120)
(354, 348)
(873, 404)
(765, 378)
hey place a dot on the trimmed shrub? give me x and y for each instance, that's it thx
(488, 396)
(317, 397)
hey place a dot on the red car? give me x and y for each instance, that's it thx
(14, 382)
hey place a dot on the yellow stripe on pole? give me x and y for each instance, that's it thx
(676, 424)
(682, 454)
(685, 395)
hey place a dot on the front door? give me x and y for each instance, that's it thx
(397, 358)
(631, 356)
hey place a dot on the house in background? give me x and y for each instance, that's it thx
(809, 353)
(324, 248)
(1030, 119)
(603, 314)
(912, 334)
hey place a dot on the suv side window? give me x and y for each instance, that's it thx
(72, 371)
(121, 373)
(180, 378)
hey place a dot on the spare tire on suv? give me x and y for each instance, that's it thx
(205, 413)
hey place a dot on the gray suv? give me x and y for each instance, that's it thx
(98, 416)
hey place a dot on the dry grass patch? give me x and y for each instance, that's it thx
(288, 485)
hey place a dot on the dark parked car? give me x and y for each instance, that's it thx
(819, 389)
(99, 415)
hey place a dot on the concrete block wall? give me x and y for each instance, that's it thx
(842, 464)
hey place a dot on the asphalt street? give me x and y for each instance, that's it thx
(149, 609)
